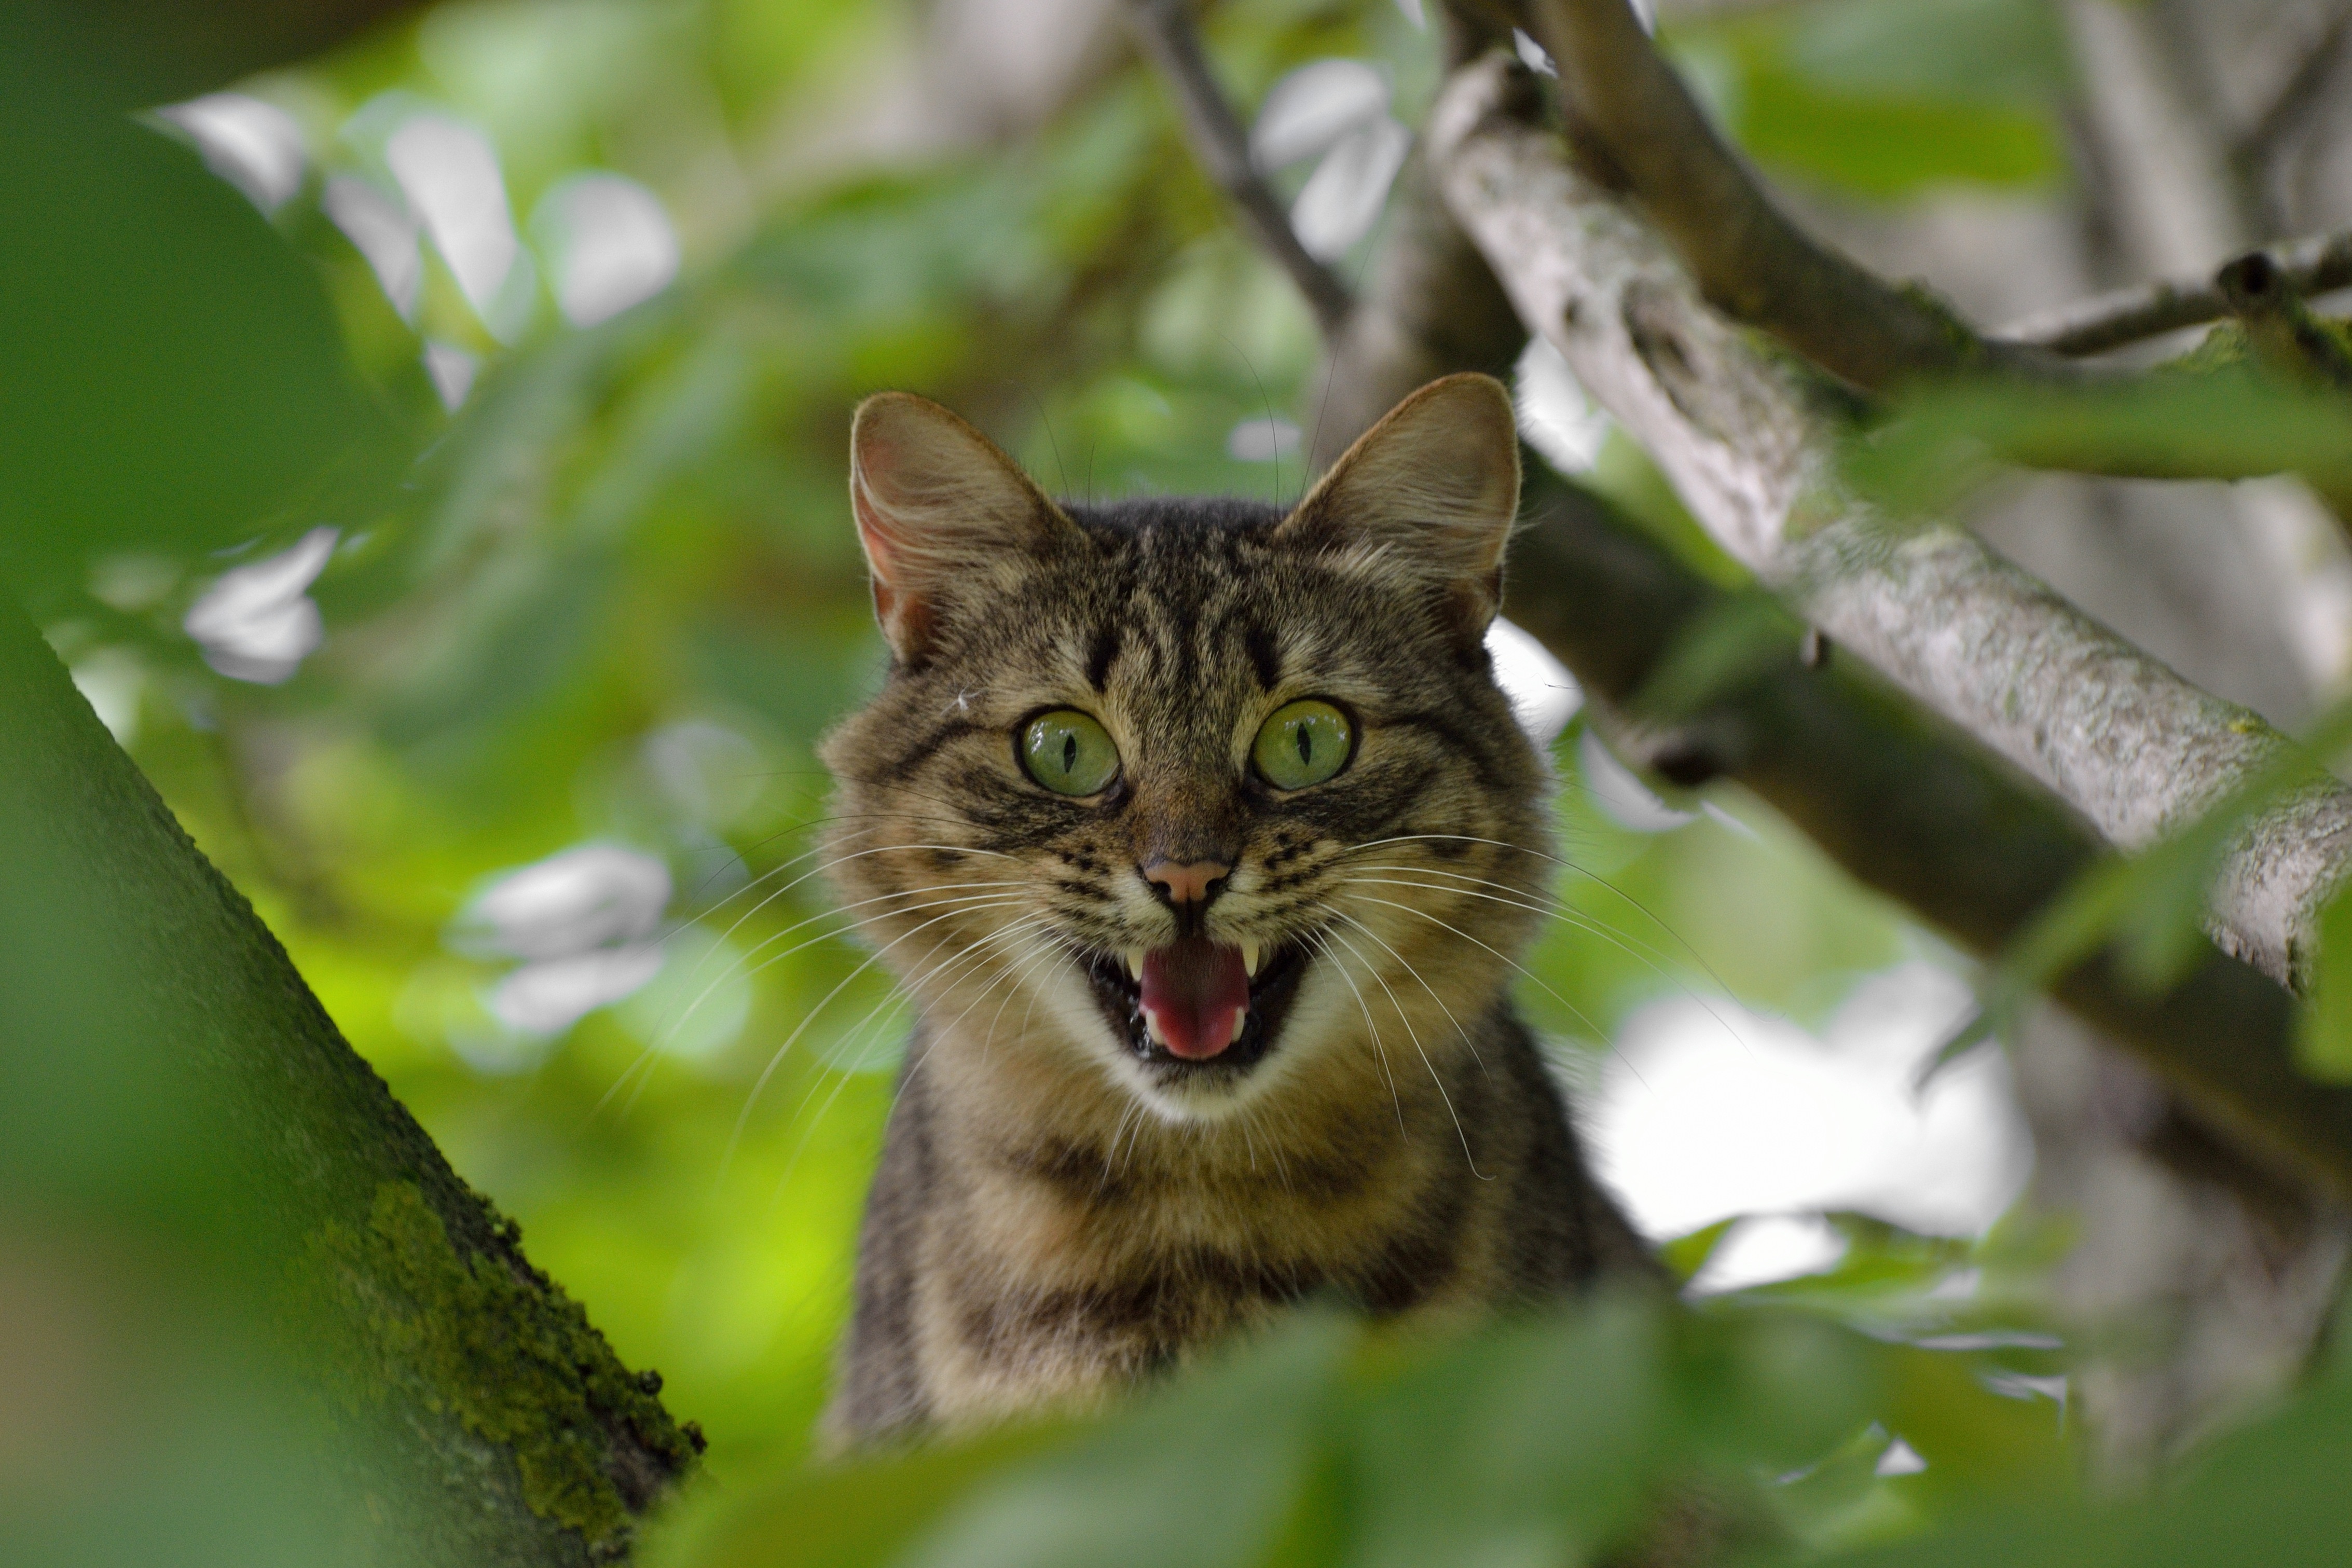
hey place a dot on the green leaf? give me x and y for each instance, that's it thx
(2324, 1033)
(2231, 423)
(1202, 1474)
(177, 379)
(1533, 1443)
(1886, 97)
(2010, 52)
(1685, 1256)
(847, 1516)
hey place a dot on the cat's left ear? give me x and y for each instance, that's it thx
(942, 513)
(1431, 492)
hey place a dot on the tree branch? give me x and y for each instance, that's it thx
(2117, 735)
(1918, 813)
(1625, 104)
(1163, 31)
(2112, 321)
(165, 1070)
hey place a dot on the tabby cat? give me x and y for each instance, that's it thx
(1205, 842)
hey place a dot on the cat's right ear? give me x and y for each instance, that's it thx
(940, 509)
(1425, 496)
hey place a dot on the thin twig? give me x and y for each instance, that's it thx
(2305, 90)
(2279, 326)
(1163, 31)
(2105, 322)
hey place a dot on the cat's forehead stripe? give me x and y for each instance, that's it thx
(1191, 575)
(1105, 651)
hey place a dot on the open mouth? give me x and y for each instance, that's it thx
(1197, 1005)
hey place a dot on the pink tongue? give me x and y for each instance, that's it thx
(1195, 994)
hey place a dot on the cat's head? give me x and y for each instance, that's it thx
(1203, 795)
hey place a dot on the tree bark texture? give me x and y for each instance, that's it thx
(146, 1012)
(2120, 737)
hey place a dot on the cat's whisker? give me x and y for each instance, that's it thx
(851, 1039)
(643, 1066)
(1414, 1036)
(1536, 901)
(970, 956)
(743, 1118)
(1552, 905)
(1574, 918)
(833, 1057)
(1506, 958)
(820, 871)
(1581, 1016)
(1649, 959)
(1075, 952)
(1117, 1136)
(883, 820)
(1321, 939)
(1426, 986)
(1565, 865)
(646, 1057)
(774, 871)
(1272, 1143)
(738, 963)
(931, 1042)
(1040, 951)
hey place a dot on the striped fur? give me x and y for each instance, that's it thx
(1051, 1219)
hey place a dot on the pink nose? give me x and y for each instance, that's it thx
(1187, 883)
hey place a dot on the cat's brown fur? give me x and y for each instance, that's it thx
(1057, 1209)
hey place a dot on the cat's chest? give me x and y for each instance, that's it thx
(1065, 1205)
(1051, 1275)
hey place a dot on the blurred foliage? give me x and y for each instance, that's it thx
(2213, 415)
(597, 584)
(1884, 101)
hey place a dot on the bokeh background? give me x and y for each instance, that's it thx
(505, 722)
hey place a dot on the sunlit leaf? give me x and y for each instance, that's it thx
(2324, 1035)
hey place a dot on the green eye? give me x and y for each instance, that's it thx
(1304, 743)
(1068, 753)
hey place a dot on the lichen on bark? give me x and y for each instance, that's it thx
(512, 1356)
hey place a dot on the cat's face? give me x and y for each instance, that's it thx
(1194, 793)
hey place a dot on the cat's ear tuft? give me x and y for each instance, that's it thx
(941, 511)
(1429, 492)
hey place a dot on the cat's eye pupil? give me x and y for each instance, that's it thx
(1302, 743)
(1067, 751)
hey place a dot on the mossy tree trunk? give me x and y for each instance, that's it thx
(174, 1099)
